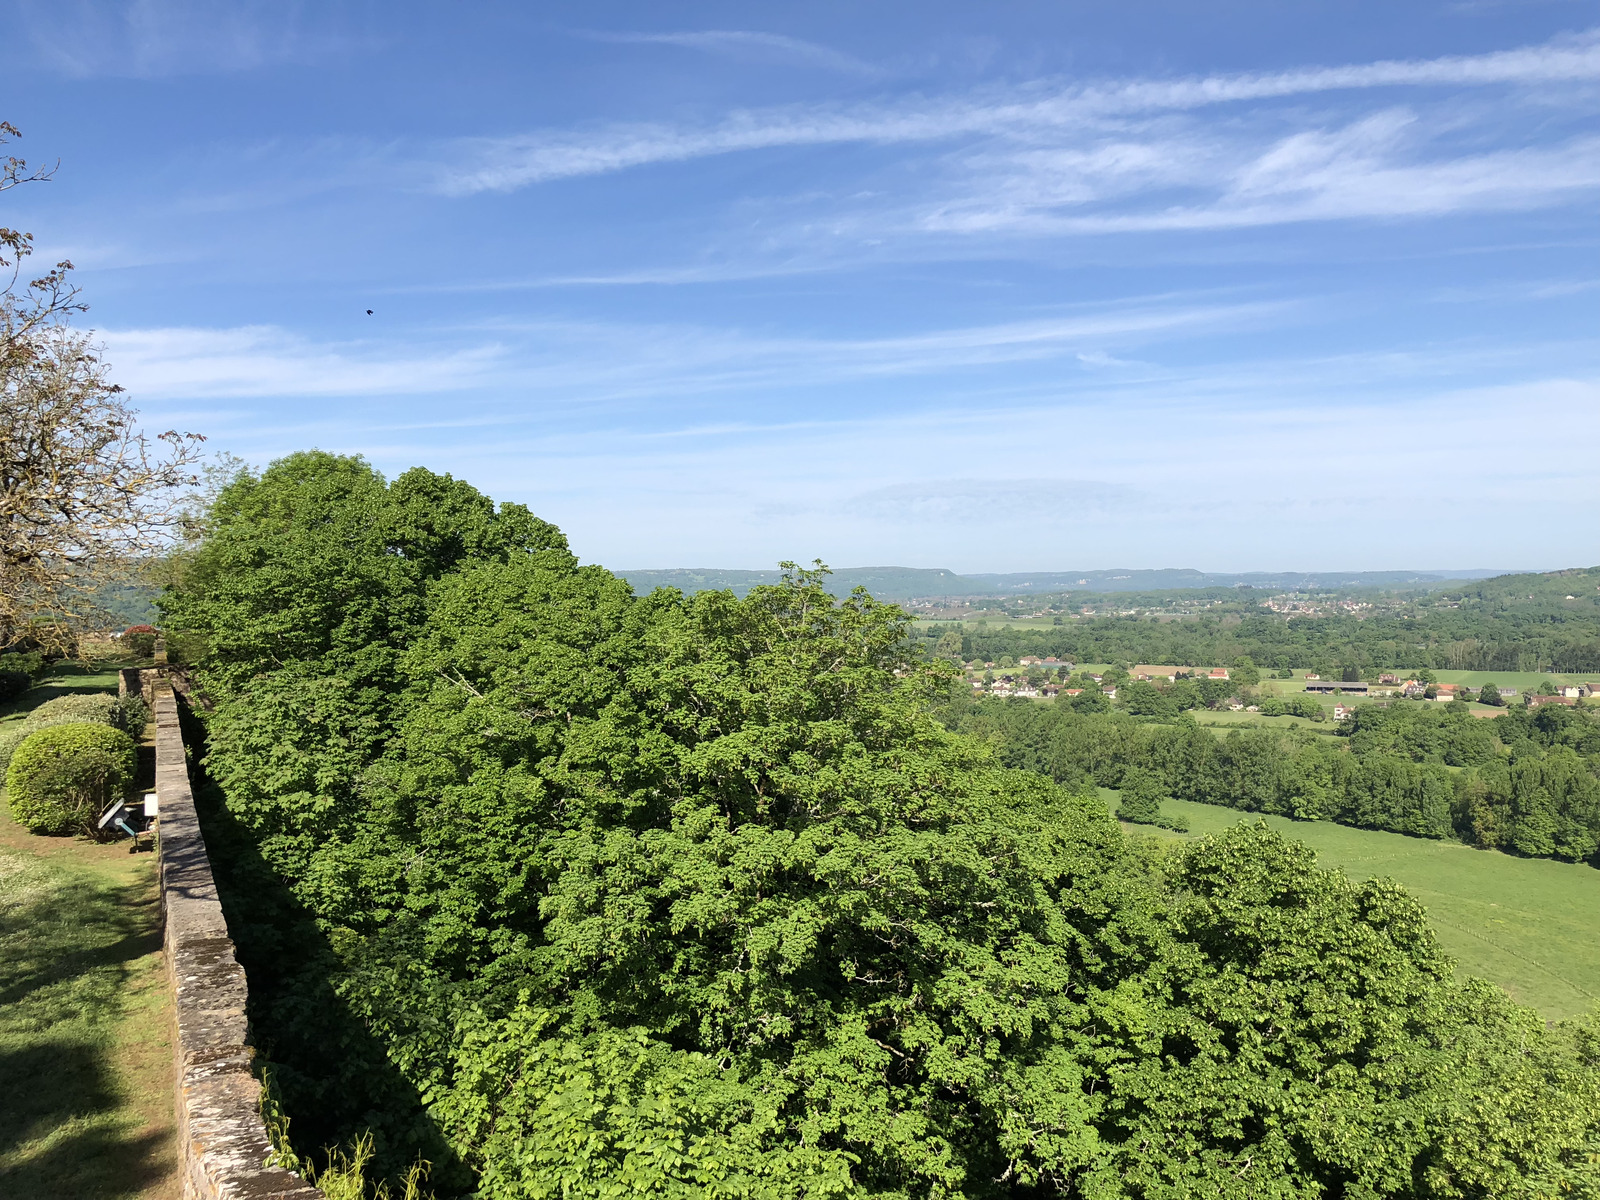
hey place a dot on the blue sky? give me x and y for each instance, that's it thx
(989, 287)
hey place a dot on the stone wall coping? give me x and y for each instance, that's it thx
(223, 1142)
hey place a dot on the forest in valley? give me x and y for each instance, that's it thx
(1496, 625)
(1527, 782)
(572, 891)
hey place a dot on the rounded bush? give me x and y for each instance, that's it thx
(127, 713)
(93, 707)
(10, 738)
(62, 778)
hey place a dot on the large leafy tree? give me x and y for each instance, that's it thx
(755, 847)
(684, 897)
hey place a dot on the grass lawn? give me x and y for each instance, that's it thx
(1530, 925)
(66, 679)
(86, 1106)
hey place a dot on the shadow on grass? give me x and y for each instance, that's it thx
(329, 1072)
(21, 981)
(61, 1137)
(68, 679)
(68, 945)
(65, 941)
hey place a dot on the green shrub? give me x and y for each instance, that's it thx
(1142, 796)
(1141, 799)
(127, 713)
(60, 779)
(30, 663)
(93, 707)
(140, 645)
(10, 738)
(130, 714)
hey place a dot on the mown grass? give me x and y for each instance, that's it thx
(1530, 925)
(86, 1086)
(85, 1038)
(66, 679)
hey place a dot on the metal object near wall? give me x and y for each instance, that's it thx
(223, 1143)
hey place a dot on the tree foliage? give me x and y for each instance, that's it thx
(1528, 782)
(695, 896)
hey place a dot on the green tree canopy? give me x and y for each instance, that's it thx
(696, 897)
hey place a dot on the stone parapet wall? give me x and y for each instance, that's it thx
(139, 681)
(223, 1142)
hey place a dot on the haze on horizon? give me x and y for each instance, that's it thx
(1018, 287)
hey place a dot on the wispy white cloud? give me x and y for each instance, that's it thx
(1040, 110)
(596, 363)
(1275, 482)
(154, 38)
(1372, 167)
(1257, 456)
(750, 46)
(258, 361)
(966, 501)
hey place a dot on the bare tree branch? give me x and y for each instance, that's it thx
(85, 497)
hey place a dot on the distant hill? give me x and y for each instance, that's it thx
(1133, 580)
(1582, 584)
(886, 583)
(906, 583)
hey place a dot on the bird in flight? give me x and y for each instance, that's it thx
(369, 312)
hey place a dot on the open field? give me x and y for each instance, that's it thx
(1222, 721)
(1523, 681)
(85, 1014)
(1530, 925)
(995, 622)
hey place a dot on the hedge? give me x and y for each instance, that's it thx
(61, 778)
(130, 714)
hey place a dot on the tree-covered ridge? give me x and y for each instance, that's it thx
(584, 893)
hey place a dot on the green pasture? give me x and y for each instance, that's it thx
(1532, 926)
(1523, 681)
(1223, 721)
